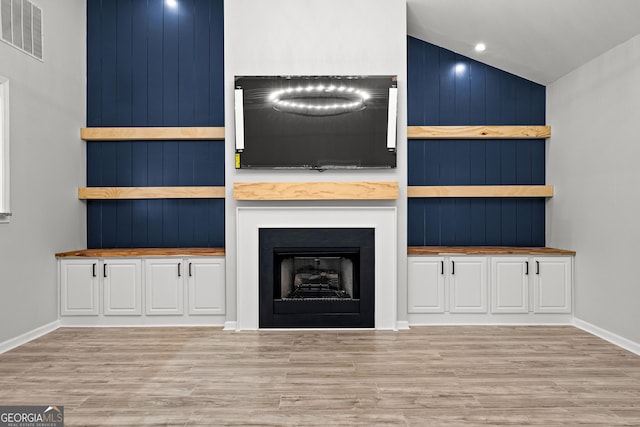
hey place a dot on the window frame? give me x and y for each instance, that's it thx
(4, 150)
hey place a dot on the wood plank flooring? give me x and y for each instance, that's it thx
(428, 376)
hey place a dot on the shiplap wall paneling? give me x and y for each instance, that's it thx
(155, 223)
(152, 65)
(447, 89)
(476, 222)
(476, 162)
(149, 64)
(154, 164)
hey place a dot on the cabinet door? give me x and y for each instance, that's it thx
(122, 279)
(79, 284)
(206, 285)
(425, 291)
(552, 284)
(510, 284)
(468, 285)
(164, 286)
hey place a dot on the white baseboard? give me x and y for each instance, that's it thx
(230, 325)
(616, 339)
(402, 325)
(28, 336)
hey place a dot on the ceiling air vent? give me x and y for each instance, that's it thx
(21, 26)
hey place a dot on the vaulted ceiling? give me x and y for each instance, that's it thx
(540, 40)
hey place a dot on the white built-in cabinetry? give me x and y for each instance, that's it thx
(154, 290)
(121, 287)
(79, 287)
(489, 289)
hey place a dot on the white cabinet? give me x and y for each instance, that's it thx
(206, 295)
(122, 286)
(552, 285)
(515, 279)
(83, 280)
(468, 285)
(142, 289)
(167, 281)
(164, 286)
(492, 288)
(79, 287)
(434, 280)
(510, 284)
(426, 292)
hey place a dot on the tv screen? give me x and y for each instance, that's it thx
(315, 122)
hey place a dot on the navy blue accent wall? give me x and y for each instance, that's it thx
(152, 65)
(445, 88)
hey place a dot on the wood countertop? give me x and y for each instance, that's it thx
(485, 250)
(412, 250)
(141, 252)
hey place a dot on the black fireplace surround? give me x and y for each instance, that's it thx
(316, 277)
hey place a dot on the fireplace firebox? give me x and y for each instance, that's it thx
(316, 277)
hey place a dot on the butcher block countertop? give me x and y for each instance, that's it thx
(142, 252)
(485, 250)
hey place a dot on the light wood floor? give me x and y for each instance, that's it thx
(428, 376)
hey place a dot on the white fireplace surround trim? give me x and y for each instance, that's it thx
(251, 219)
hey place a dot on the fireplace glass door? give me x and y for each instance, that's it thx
(316, 278)
(312, 277)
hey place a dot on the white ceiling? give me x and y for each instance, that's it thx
(540, 40)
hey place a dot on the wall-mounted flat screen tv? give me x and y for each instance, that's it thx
(315, 122)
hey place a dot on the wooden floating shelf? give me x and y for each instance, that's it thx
(315, 190)
(142, 252)
(90, 193)
(480, 191)
(152, 133)
(485, 250)
(478, 132)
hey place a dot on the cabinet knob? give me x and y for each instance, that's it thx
(104, 269)
(537, 267)
(179, 272)
(526, 271)
(190, 270)
(94, 269)
(453, 267)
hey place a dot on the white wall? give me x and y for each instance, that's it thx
(314, 37)
(47, 165)
(593, 161)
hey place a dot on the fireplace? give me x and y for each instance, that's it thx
(316, 277)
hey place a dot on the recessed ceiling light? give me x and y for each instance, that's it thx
(481, 47)
(172, 3)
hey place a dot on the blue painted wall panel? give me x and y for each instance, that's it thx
(415, 97)
(94, 58)
(449, 89)
(477, 92)
(186, 53)
(155, 223)
(476, 221)
(139, 62)
(151, 65)
(477, 163)
(155, 69)
(124, 63)
(139, 223)
(108, 65)
(124, 223)
(462, 80)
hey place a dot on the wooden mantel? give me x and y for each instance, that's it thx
(315, 190)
